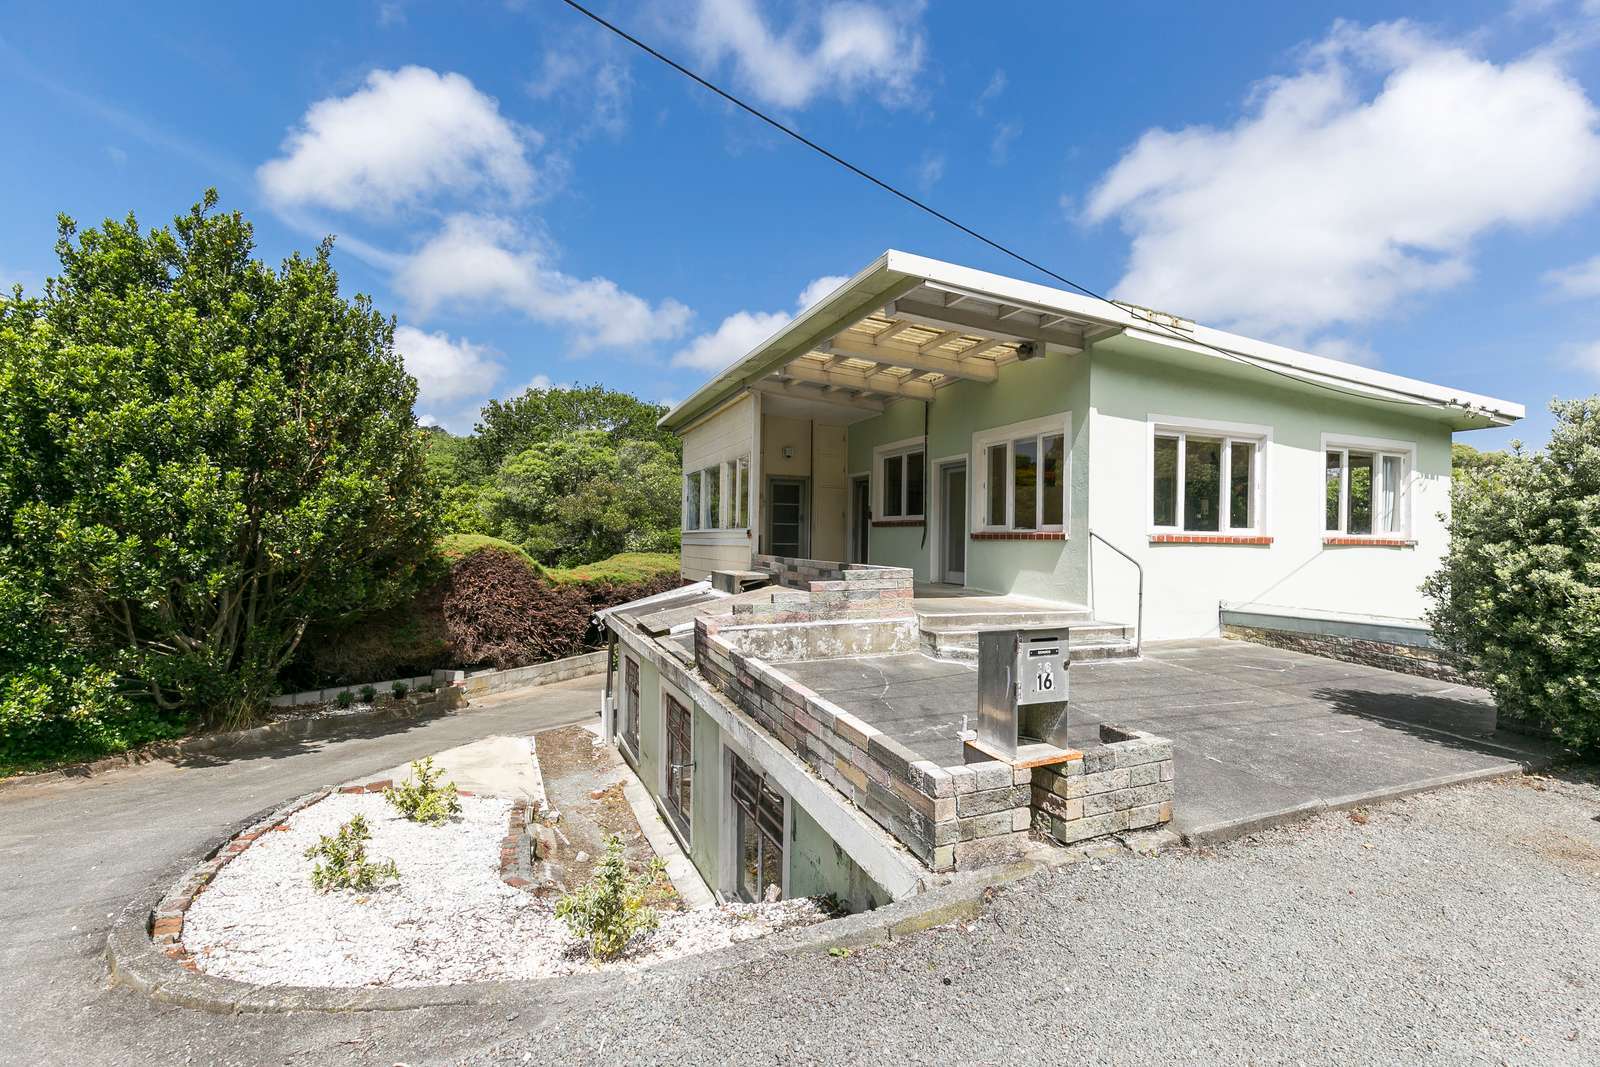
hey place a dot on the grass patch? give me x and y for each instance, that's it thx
(458, 545)
(626, 568)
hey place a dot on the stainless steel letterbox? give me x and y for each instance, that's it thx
(1022, 687)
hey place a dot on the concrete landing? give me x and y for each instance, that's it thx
(494, 766)
(1261, 735)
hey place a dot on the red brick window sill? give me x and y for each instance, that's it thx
(1018, 535)
(897, 522)
(1374, 542)
(1209, 539)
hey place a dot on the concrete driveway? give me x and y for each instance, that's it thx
(73, 853)
(1260, 735)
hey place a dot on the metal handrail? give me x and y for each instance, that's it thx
(1138, 626)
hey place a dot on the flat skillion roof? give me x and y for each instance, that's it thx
(983, 316)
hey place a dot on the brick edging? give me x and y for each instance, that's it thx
(516, 848)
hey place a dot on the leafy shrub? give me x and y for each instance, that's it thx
(400, 689)
(368, 694)
(342, 859)
(490, 606)
(609, 910)
(1518, 594)
(68, 710)
(202, 454)
(345, 698)
(421, 798)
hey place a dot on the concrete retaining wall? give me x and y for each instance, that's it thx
(476, 682)
(815, 589)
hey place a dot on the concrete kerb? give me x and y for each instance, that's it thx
(303, 728)
(135, 961)
(1231, 829)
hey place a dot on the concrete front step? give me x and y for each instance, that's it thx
(1002, 620)
(1088, 641)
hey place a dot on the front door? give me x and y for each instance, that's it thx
(860, 518)
(786, 510)
(953, 531)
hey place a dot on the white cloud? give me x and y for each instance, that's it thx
(1578, 280)
(583, 78)
(930, 170)
(1000, 146)
(996, 86)
(447, 370)
(743, 330)
(841, 49)
(738, 334)
(1346, 349)
(485, 260)
(818, 289)
(1334, 198)
(401, 138)
(1586, 356)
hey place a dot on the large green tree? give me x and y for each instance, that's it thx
(1518, 594)
(200, 455)
(509, 427)
(581, 498)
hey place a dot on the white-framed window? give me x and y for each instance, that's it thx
(1207, 477)
(717, 497)
(1366, 486)
(901, 478)
(1021, 482)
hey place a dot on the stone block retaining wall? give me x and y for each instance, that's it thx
(1125, 783)
(815, 589)
(1423, 661)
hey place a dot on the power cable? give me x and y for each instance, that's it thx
(1416, 401)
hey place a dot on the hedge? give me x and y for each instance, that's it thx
(491, 606)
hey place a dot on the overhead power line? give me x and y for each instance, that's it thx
(969, 231)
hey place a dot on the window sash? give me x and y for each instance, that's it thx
(679, 767)
(630, 703)
(1024, 483)
(902, 483)
(1170, 503)
(1384, 511)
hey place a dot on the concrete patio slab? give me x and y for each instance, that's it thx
(1261, 735)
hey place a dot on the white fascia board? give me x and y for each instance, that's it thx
(1205, 339)
(898, 270)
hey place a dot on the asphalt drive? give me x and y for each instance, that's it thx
(74, 852)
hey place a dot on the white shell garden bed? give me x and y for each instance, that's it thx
(449, 918)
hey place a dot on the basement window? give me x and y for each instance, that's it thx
(630, 704)
(1365, 488)
(679, 769)
(1022, 476)
(758, 833)
(1207, 478)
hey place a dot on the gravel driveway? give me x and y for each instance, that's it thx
(1461, 927)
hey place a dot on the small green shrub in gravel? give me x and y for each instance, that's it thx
(368, 694)
(345, 698)
(400, 689)
(610, 909)
(342, 860)
(421, 798)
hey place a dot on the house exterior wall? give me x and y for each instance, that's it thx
(1184, 583)
(819, 457)
(1053, 569)
(725, 435)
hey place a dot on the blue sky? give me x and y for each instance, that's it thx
(1415, 187)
